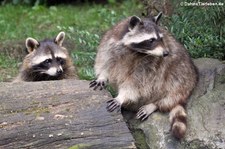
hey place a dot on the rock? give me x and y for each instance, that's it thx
(59, 114)
(206, 115)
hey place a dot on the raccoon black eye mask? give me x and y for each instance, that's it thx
(147, 45)
(60, 60)
(144, 45)
(48, 62)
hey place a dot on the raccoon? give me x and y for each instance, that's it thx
(149, 69)
(46, 60)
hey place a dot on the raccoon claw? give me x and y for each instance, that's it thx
(97, 84)
(145, 111)
(92, 83)
(112, 105)
(142, 114)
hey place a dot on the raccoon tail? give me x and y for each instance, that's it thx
(178, 119)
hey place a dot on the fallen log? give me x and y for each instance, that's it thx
(59, 114)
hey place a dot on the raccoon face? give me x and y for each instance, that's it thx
(52, 66)
(145, 37)
(47, 58)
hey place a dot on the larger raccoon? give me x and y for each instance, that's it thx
(47, 60)
(148, 67)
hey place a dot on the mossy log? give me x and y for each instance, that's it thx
(59, 114)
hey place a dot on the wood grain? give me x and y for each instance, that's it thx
(59, 114)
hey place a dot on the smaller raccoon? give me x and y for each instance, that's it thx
(46, 60)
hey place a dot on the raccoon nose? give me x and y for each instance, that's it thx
(165, 53)
(59, 71)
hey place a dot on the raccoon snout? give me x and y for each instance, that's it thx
(59, 71)
(165, 53)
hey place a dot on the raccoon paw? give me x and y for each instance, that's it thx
(101, 84)
(112, 105)
(144, 112)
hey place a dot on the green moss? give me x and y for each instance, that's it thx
(221, 79)
(80, 146)
(140, 140)
(34, 110)
(197, 144)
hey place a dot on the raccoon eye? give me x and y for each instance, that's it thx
(151, 40)
(61, 61)
(48, 61)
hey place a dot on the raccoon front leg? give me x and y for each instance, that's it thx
(146, 110)
(102, 66)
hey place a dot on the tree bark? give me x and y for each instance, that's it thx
(59, 114)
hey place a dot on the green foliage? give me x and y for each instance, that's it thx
(8, 67)
(200, 29)
(27, 2)
(6, 62)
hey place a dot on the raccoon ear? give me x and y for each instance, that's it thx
(60, 38)
(31, 44)
(156, 18)
(134, 20)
